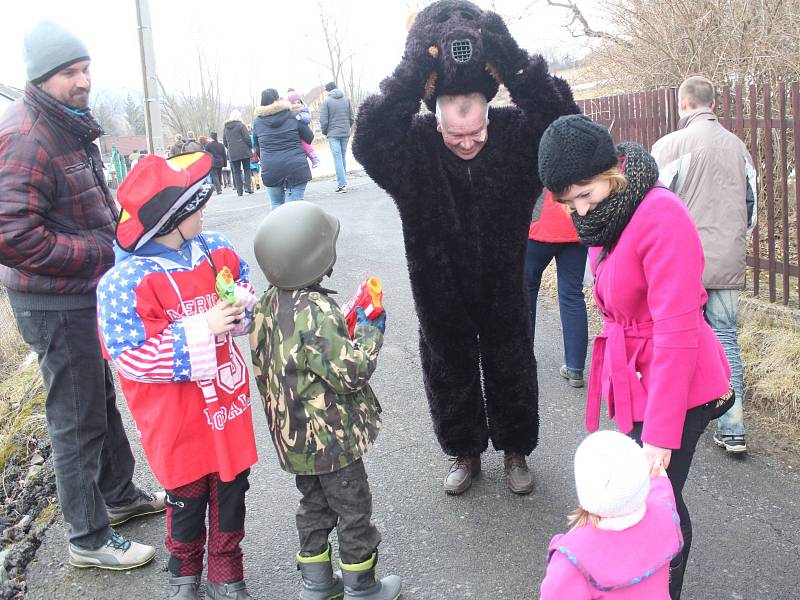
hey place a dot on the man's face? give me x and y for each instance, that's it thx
(464, 135)
(70, 86)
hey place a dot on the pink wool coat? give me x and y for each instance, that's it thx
(656, 357)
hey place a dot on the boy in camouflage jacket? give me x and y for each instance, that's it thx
(322, 413)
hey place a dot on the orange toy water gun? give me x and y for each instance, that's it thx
(369, 297)
(225, 285)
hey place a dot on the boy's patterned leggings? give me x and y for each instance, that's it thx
(186, 527)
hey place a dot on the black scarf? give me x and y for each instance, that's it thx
(603, 225)
(84, 127)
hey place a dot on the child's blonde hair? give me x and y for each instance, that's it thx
(580, 517)
(614, 175)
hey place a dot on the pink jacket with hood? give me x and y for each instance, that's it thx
(656, 356)
(588, 563)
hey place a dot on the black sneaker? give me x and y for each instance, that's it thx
(734, 444)
(341, 190)
(145, 504)
(575, 378)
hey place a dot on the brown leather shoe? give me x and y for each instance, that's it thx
(459, 477)
(518, 477)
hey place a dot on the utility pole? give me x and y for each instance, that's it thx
(152, 105)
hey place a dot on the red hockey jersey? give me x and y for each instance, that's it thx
(188, 390)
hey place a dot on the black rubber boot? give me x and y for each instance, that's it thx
(236, 590)
(319, 581)
(184, 588)
(359, 582)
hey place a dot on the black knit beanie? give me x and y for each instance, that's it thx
(268, 96)
(574, 148)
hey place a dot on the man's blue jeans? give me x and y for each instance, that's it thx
(339, 150)
(91, 455)
(570, 265)
(720, 312)
(279, 195)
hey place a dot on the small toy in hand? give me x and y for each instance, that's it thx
(225, 286)
(368, 297)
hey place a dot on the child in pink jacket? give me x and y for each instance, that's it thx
(625, 532)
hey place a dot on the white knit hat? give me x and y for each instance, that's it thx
(612, 475)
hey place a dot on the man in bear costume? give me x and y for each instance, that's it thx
(465, 181)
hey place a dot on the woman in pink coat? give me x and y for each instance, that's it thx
(657, 363)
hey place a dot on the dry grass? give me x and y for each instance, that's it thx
(22, 394)
(22, 420)
(12, 346)
(771, 355)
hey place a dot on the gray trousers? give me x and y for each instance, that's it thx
(340, 499)
(91, 455)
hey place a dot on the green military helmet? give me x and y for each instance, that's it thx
(295, 245)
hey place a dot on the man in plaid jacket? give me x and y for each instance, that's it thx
(57, 219)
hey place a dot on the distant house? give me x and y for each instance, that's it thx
(124, 143)
(7, 95)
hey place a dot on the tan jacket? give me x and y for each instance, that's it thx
(710, 169)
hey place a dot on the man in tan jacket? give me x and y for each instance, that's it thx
(710, 169)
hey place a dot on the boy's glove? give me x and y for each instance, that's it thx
(379, 321)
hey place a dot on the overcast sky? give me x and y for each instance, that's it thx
(256, 44)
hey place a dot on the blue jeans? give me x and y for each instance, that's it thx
(570, 265)
(279, 195)
(720, 312)
(91, 455)
(339, 150)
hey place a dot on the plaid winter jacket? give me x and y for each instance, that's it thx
(57, 215)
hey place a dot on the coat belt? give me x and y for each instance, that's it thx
(610, 345)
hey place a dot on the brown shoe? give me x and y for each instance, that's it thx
(459, 477)
(518, 477)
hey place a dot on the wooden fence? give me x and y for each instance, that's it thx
(767, 118)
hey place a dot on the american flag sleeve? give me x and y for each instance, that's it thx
(150, 349)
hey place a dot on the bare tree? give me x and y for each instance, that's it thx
(108, 111)
(134, 114)
(199, 106)
(650, 43)
(341, 64)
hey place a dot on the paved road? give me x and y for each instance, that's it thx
(487, 544)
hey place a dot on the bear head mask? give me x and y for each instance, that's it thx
(453, 28)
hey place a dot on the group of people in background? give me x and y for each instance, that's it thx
(276, 150)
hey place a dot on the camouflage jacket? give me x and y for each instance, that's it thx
(313, 380)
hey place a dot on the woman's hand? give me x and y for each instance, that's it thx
(657, 458)
(223, 317)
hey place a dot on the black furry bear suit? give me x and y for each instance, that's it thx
(465, 222)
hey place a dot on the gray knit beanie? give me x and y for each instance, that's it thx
(574, 148)
(50, 48)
